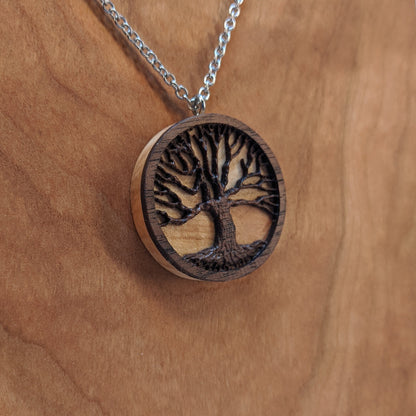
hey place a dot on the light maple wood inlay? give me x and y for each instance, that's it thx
(91, 325)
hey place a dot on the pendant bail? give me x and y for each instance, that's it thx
(197, 105)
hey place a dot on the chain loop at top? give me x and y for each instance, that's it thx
(198, 102)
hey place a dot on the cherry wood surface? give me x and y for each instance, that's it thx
(92, 325)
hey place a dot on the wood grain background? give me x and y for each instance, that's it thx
(92, 325)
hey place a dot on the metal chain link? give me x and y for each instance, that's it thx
(197, 103)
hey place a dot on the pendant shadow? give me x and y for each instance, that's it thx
(175, 295)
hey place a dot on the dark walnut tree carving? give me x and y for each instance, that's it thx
(197, 163)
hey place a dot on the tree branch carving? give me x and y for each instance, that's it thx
(213, 164)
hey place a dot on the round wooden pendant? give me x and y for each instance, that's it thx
(208, 198)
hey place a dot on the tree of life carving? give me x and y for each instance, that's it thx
(205, 169)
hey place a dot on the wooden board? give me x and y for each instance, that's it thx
(92, 325)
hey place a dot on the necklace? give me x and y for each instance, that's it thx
(207, 194)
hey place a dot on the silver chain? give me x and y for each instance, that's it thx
(197, 103)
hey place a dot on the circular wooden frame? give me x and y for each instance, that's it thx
(144, 212)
